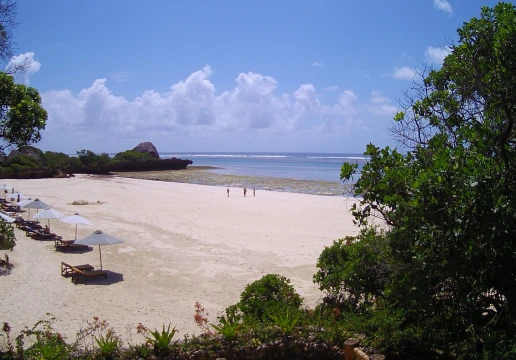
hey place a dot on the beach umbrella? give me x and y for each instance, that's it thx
(6, 218)
(75, 219)
(4, 189)
(36, 204)
(24, 202)
(98, 238)
(18, 196)
(48, 214)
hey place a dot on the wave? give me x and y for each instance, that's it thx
(224, 156)
(336, 157)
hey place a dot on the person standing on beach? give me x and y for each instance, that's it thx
(227, 191)
(254, 191)
(245, 191)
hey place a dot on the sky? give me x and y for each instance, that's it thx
(229, 76)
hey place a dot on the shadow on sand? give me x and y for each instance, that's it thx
(112, 278)
(74, 250)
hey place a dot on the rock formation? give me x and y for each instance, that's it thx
(147, 147)
(27, 150)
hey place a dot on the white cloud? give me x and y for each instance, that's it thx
(380, 105)
(26, 62)
(317, 64)
(404, 73)
(193, 109)
(436, 55)
(443, 5)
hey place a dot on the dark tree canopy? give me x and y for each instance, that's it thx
(448, 200)
(21, 115)
(7, 24)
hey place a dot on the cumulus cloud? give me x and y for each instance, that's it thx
(404, 73)
(443, 5)
(317, 64)
(23, 66)
(381, 105)
(436, 55)
(194, 108)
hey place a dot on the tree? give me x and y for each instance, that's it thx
(7, 237)
(21, 115)
(7, 24)
(448, 199)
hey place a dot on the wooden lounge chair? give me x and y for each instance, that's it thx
(78, 274)
(39, 234)
(80, 271)
(67, 270)
(68, 245)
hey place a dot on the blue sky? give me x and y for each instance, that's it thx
(300, 76)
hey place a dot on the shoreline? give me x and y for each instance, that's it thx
(201, 175)
(183, 243)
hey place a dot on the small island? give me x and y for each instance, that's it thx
(30, 162)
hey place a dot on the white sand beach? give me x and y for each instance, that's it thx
(183, 243)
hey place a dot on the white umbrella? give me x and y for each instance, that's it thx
(48, 213)
(24, 202)
(98, 238)
(14, 196)
(36, 204)
(4, 188)
(7, 218)
(75, 219)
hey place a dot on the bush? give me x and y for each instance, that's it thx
(354, 272)
(267, 295)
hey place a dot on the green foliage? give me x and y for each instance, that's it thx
(21, 115)
(448, 206)
(161, 340)
(25, 161)
(227, 328)
(7, 236)
(90, 159)
(354, 273)
(267, 294)
(285, 319)
(45, 342)
(132, 156)
(57, 160)
(108, 345)
(47, 349)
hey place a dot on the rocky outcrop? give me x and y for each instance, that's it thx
(147, 147)
(27, 150)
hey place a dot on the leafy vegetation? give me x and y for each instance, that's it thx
(438, 272)
(7, 236)
(31, 162)
(272, 292)
(160, 341)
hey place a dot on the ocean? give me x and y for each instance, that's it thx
(299, 166)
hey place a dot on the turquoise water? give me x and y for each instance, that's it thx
(302, 166)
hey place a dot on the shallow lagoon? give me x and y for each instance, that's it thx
(203, 175)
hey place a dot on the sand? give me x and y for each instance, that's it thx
(183, 243)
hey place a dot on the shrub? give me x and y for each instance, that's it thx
(161, 340)
(353, 272)
(267, 295)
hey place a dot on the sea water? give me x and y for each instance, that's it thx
(301, 166)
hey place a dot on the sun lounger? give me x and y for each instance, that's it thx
(39, 234)
(78, 272)
(67, 270)
(68, 245)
